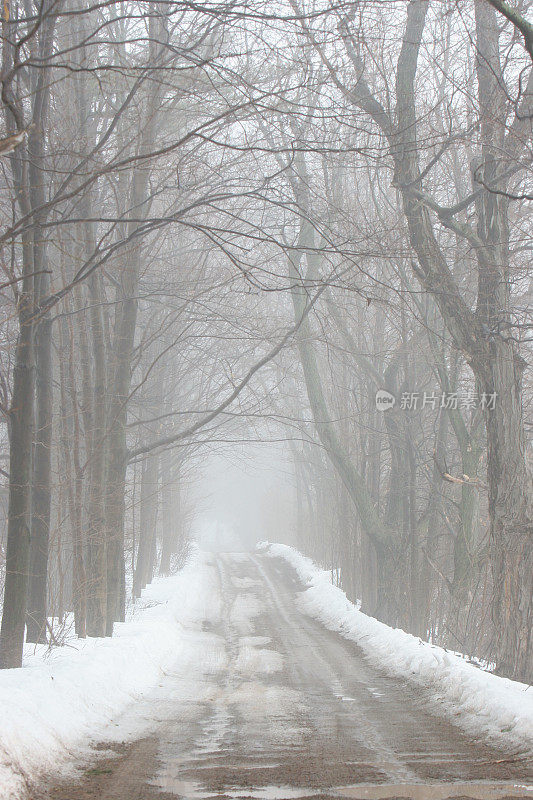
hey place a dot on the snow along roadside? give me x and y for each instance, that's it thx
(61, 700)
(484, 704)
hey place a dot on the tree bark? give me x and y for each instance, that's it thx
(41, 495)
(28, 184)
(70, 445)
(20, 476)
(147, 522)
(96, 535)
(499, 368)
(42, 483)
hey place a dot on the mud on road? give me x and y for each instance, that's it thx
(289, 709)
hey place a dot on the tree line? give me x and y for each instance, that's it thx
(230, 220)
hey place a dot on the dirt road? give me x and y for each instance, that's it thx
(291, 710)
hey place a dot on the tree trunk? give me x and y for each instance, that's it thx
(494, 359)
(511, 518)
(388, 606)
(464, 543)
(431, 527)
(124, 337)
(69, 442)
(29, 186)
(115, 504)
(20, 475)
(170, 512)
(147, 523)
(42, 455)
(96, 537)
(41, 494)
(498, 368)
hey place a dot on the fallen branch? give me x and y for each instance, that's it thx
(464, 480)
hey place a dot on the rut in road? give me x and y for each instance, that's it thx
(288, 709)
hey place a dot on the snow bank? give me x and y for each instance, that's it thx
(484, 704)
(61, 699)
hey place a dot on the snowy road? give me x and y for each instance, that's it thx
(282, 708)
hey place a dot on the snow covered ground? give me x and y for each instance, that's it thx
(63, 699)
(170, 652)
(482, 703)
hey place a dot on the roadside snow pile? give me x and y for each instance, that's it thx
(65, 697)
(484, 704)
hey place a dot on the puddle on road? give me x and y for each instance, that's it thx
(189, 790)
(435, 791)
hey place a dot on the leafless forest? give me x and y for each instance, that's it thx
(302, 224)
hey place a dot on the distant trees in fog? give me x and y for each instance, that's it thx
(237, 221)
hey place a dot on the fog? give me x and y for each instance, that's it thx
(244, 494)
(266, 274)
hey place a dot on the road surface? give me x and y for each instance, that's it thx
(289, 709)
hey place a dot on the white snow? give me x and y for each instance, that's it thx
(484, 704)
(64, 698)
